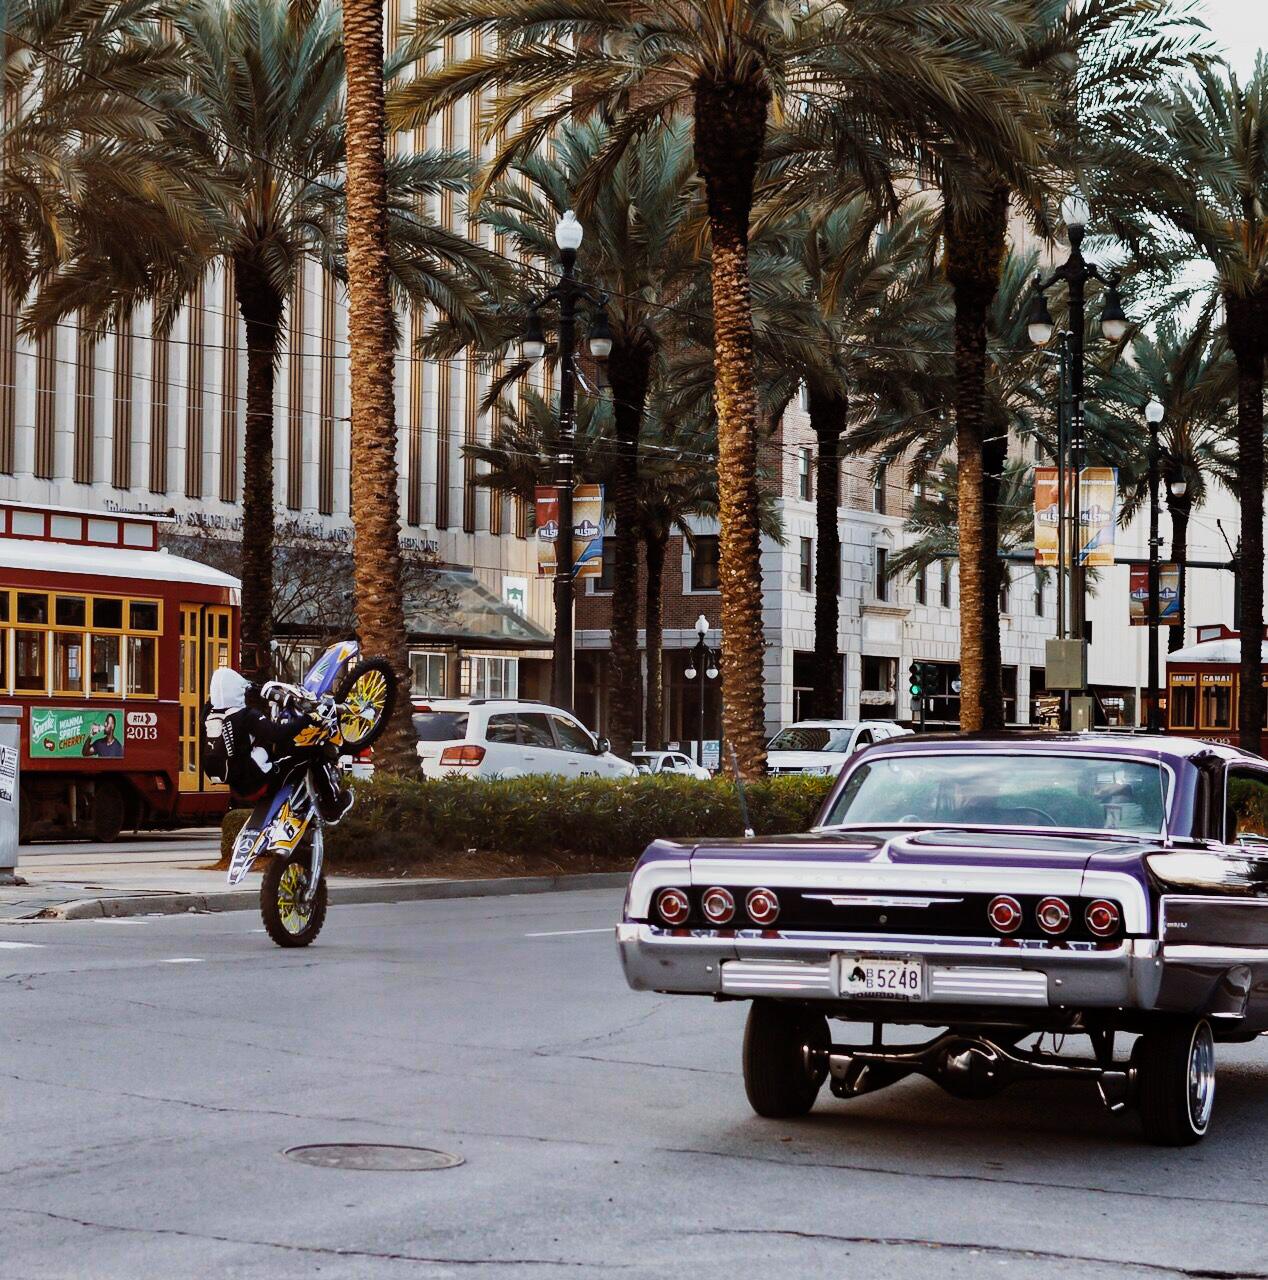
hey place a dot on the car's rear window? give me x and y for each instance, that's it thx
(440, 726)
(1023, 790)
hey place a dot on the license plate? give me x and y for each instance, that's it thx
(881, 978)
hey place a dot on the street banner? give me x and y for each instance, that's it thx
(587, 530)
(1047, 516)
(1168, 595)
(57, 732)
(1098, 519)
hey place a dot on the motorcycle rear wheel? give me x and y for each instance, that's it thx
(289, 921)
(366, 696)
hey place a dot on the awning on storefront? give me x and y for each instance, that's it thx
(459, 609)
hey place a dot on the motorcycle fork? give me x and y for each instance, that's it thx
(318, 855)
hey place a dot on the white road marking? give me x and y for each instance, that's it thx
(18, 946)
(183, 960)
(566, 933)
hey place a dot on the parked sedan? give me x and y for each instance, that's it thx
(824, 746)
(668, 762)
(502, 738)
(1007, 891)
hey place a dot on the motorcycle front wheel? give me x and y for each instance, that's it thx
(290, 920)
(366, 696)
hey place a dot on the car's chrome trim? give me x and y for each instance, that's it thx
(878, 900)
(1195, 952)
(967, 984)
(786, 977)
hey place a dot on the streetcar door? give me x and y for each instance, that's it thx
(190, 699)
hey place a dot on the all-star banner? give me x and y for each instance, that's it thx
(587, 530)
(1098, 519)
(1047, 516)
(1168, 595)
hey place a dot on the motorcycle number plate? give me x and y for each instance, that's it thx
(880, 977)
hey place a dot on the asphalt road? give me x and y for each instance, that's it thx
(153, 1070)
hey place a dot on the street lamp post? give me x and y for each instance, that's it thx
(567, 293)
(1153, 416)
(704, 666)
(1075, 273)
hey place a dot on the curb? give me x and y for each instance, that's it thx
(249, 899)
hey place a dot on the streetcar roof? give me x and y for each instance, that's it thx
(1225, 650)
(110, 562)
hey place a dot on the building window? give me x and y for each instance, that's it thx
(481, 677)
(805, 488)
(944, 584)
(427, 675)
(602, 585)
(922, 587)
(1005, 589)
(704, 563)
(878, 488)
(803, 397)
(881, 583)
(807, 564)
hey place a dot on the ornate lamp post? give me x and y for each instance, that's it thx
(567, 293)
(1153, 416)
(704, 666)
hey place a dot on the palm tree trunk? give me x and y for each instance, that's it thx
(628, 372)
(262, 309)
(827, 420)
(375, 488)
(994, 457)
(654, 546)
(1179, 509)
(975, 253)
(730, 129)
(1247, 321)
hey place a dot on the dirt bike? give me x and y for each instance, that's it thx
(348, 701)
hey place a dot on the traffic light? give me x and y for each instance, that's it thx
(916, 679)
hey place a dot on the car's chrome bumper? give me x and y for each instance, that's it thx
(961, 972)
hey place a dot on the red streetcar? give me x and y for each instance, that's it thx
(107, 644)
(1203, 687)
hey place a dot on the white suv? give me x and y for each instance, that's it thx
(823, 746)
(507, 738)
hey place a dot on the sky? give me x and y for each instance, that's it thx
(1239, 28)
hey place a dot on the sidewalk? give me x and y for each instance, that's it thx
(169, 876)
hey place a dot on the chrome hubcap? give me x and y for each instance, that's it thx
(1201, 1076)
(292, 908)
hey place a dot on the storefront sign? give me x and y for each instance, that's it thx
(1168, 595)
(587, 530)
(58, 732)
(515, 593)
(1047, 516)
(1098, 517)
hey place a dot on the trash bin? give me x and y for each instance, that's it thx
(10, 754)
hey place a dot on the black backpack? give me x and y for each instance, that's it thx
(226, 751)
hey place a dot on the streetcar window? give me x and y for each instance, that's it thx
(105, 665)
(143, 615)
(1182, 702)
(68, 662)
(142, 667)
(30, 661)
(107, 613)
(4, 614)
(71, 611)
(1217, 702)
(32, 607)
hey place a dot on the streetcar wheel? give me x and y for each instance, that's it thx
(108, 811)
(288, 918)
(365, 696)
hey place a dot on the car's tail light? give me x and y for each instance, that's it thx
(466, 754)
(1102, 918)
(673, 906)
(762, 906)
(1005, 914)
(1053, 915)
(718, 905)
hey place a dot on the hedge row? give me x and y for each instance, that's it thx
(408, 819)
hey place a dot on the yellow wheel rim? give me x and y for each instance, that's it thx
(364, 707)
(293, 911)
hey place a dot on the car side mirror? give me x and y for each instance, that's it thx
(602, 747)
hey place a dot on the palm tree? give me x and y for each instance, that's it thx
(1199, 162)
(639, 249)
(1187, 373)
(84, 98)
(879, 69)
(258, 122)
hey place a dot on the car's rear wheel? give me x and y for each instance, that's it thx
(778, 1079)
(1175, 1082)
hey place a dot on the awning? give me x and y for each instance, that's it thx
(459, 609)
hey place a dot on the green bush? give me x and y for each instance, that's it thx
(410, 819)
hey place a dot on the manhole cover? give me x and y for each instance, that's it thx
(372, 1156)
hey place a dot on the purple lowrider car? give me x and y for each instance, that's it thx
(997, 891)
